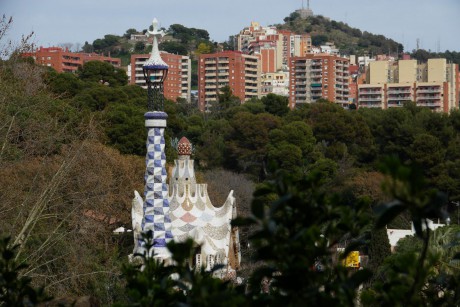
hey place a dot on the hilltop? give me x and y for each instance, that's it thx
(349, 40)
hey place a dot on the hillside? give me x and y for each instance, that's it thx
(349, 40)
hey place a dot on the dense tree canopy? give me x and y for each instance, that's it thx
(97, 71)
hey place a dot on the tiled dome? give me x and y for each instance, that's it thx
(184, 148)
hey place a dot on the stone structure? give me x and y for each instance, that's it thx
(194, 216)
(183, 209)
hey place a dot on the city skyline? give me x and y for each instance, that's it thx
(58, 22)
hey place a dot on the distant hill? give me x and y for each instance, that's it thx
(349, 40)
(354, 41)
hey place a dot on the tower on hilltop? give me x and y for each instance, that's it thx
(305, 12)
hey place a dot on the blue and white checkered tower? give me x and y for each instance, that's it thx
(156, 205)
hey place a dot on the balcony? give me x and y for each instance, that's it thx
(396, 104)
(399, 91)
(429, 90)
(429, 104)
(370, 99)
(428, 96)
(250, 86)
(250, 67)
(404, 98)
(361, 92)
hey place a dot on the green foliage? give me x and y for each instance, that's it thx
(275, 104)
(129, 32)
(65, 84)
(152, 283)
(173, 47)
(98, 97)
(97, 71)
(291, 146)
(379, 248)
(226, 99)
(187, 34)
(247, 146)
(16, 289)
(105, 44)
(125, 128)
(203, 48)
(295, 237)
(411, 278)
(139, 47)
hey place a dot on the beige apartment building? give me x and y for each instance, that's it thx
(239, 71)
(316, 76)
(392, 83)
(275, 83)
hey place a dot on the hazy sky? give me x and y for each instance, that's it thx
(435, 22)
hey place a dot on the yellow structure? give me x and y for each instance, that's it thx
(352, 260)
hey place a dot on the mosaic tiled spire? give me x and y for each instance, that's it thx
(156, 205)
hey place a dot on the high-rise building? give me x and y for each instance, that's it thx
(62, 60)
(276, 47)
(178, 83)
(239, 71)
(392, 83)
(316, 76)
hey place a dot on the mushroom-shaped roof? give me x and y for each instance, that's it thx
(184, 147)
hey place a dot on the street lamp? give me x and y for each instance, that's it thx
(155, 72)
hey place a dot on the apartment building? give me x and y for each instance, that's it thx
(62, 60)
(276, 47)
(294, 45)
(239, 71)
(178, 81)
(392, 83)
(275, 83)
(316, 76)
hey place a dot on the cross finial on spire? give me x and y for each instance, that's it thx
(155, 32)
(155, 60)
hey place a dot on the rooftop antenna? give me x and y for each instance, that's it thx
(308, 4)
(302, 4)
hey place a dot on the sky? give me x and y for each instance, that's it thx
(55, 22)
